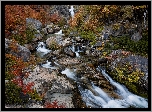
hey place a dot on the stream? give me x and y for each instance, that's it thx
(94, 96)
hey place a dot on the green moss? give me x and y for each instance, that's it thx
(30, 34)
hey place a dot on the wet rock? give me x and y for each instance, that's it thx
(102, 60)
(56, 28)
(24, 96)
(49, 29)
(57, 52)
(78, 39)
(69, 52)
(22, 52)
(77, 99)
(105, 36)
(33, 23)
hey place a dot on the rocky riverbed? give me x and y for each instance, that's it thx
(76, 73)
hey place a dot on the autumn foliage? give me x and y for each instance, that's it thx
(15, 19)
(15, 73)
(54, 104)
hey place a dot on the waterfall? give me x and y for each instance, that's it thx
(129, 99)
(121, 90)
(71, 11)
(145, 16)
(101, 99)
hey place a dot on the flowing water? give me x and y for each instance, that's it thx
(95, 96)
(101, 99)
(75, 50)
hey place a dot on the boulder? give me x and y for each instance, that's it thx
(33, 23)
(52, 42)
(22, 51)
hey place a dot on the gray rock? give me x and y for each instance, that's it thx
(136, 36)
(23, 52)
(105, 36)
(33, 23)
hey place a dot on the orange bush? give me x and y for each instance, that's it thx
(15, 18)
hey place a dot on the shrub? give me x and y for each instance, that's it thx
(54, 104)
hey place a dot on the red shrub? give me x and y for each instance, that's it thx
(54, 104)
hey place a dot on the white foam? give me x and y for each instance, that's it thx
(77, 54)
(69, 73)
(90, 98)
(48, 65)
(41, 48)
(59, 33)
